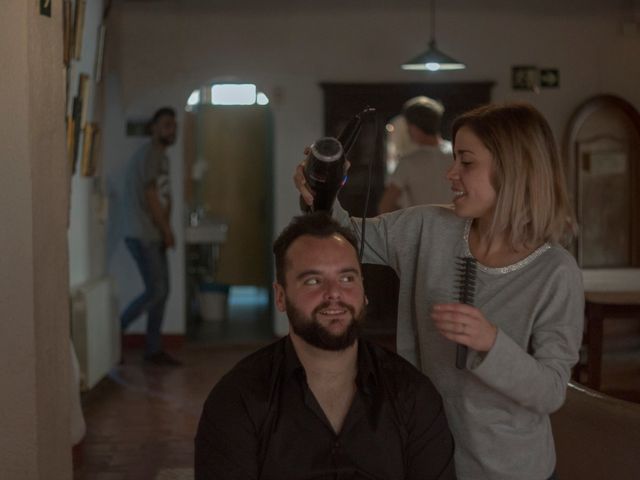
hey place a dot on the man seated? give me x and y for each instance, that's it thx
(322, 403)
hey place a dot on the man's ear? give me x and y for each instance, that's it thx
(366, 300)
(279, 297)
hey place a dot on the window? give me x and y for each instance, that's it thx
(227, 94)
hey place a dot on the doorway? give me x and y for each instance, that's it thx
(228, 183)
(603, 149)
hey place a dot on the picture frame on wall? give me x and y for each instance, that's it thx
(67, 32)
(77, 119)
(73, 132)
(71, 154)
(102, 30)
(525, 77)
(84, 90)
(78, 28)
(90, 134)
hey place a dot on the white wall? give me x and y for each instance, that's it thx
(164, 51)
(86, 225)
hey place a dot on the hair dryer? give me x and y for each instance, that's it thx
(324, 169)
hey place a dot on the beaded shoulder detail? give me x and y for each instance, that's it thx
(509, 268)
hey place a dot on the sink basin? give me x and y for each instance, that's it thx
(207, 232)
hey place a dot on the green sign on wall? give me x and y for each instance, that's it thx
(45, 8)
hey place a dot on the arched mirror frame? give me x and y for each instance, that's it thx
(584, 111)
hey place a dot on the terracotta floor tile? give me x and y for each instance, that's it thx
(141, 422)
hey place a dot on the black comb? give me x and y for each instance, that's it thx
(466, 286)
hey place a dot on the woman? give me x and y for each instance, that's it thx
(510, 212)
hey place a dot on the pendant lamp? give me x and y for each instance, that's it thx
(433, 59)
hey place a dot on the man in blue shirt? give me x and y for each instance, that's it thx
(148, 232)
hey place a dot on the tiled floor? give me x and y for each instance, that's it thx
(248, 313)
(141, 420)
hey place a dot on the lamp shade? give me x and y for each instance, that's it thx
(433, 60)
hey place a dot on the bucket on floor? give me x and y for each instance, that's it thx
(212, 298)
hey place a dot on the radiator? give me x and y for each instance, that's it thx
(94, 330)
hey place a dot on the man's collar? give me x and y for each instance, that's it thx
(292, 363)
(366, 379)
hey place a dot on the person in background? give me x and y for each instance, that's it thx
(419, 177)
(510, 215)
(399, 142)
(322, 403)
(148, 232)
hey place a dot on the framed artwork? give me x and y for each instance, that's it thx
(71, 154)
(73, 131)
(525, 77)
(90, 134)
(67, 31)
(78, 28)
(77, 119)
(100, 53)
(45, 8)
(84, 90)
(137, 127)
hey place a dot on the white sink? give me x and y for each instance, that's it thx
(206, 232)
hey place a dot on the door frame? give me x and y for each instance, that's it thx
(571, 156)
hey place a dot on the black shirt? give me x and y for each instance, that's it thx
(261, 421)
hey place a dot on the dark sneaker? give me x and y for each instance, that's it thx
(163, 359)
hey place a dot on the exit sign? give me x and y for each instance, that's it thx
(45, 7)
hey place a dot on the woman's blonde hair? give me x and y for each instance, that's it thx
(532, 205)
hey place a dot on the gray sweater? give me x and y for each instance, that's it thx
(498, 408)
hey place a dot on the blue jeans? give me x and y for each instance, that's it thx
(151, 258)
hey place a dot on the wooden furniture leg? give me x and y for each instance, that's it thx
(595, 325)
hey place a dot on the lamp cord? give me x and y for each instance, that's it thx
(433, 21)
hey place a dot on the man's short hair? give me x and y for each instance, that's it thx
(425, 113)
(161, 112)
(317, 224)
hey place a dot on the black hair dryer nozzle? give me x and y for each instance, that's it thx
(324, 167)
(324, 172)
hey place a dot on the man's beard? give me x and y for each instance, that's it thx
(314, 333)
